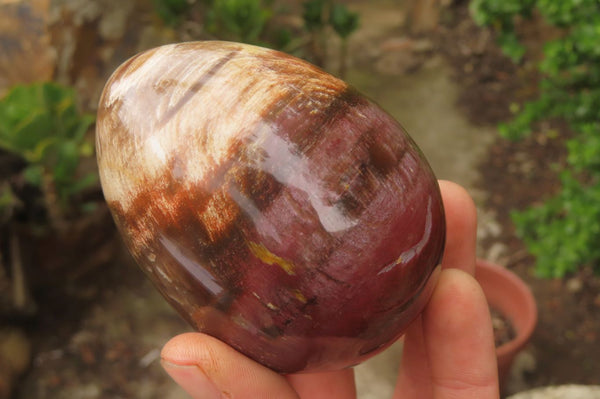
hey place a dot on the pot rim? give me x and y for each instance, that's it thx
(527, 301)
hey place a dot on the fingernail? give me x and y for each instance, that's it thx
(192, 379)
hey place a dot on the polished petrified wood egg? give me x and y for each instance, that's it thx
(271, 204)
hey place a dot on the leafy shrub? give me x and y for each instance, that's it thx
(501, 15)
(41, 124)
(564, 232)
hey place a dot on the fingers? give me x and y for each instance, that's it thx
(332, 385)
(461, 227)
(449, 351)
(420, 354)
(209, 369)
(458, 338)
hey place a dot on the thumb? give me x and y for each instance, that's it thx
(207, 368)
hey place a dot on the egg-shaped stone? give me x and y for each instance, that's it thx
(273, 206)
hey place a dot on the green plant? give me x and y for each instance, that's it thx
(8, 202)
(313, 14)
(564, 232)
(344, 23)
(239, 20)
(320, 15)
(249, 21)
(236, 20)
(171, 11)
(41, 124)
(501, 15)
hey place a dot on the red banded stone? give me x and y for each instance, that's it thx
(273, 206)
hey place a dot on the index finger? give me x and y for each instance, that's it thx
(459, 340)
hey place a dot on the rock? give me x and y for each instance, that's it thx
(15, 350)
(400, 55)
(300, 330)
(561, 392)
(497, 252)
(488, 225)
(15, 357)
(424, 16)
(404, 43)
(574, 285)
(524, 364)
(26, 54)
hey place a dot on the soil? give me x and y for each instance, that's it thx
(72, 349)
(503, 329)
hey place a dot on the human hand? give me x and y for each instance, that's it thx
(448, 351)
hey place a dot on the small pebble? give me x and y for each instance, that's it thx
(574, 285)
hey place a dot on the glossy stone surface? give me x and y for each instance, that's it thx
(271, 204)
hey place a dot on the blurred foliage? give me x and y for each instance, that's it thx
(9, 202)
(320, 14)
(320, 18)
(564, 232)
(501, 15)
(171, 11)
(250, 21)
(343, 21)
(239, 20)
(41, 124)
(313, 14)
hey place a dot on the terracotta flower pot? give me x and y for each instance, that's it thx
(510, 296)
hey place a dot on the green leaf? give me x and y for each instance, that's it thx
(343, 21)
(564, 232)
(67, 160)
(33, 174)
(241, 20)
(85, 182)
(171, 11)
(511, 46)
(313, 15)
(8, 201)
(499, 12)
(41, 123)
(82, 126)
